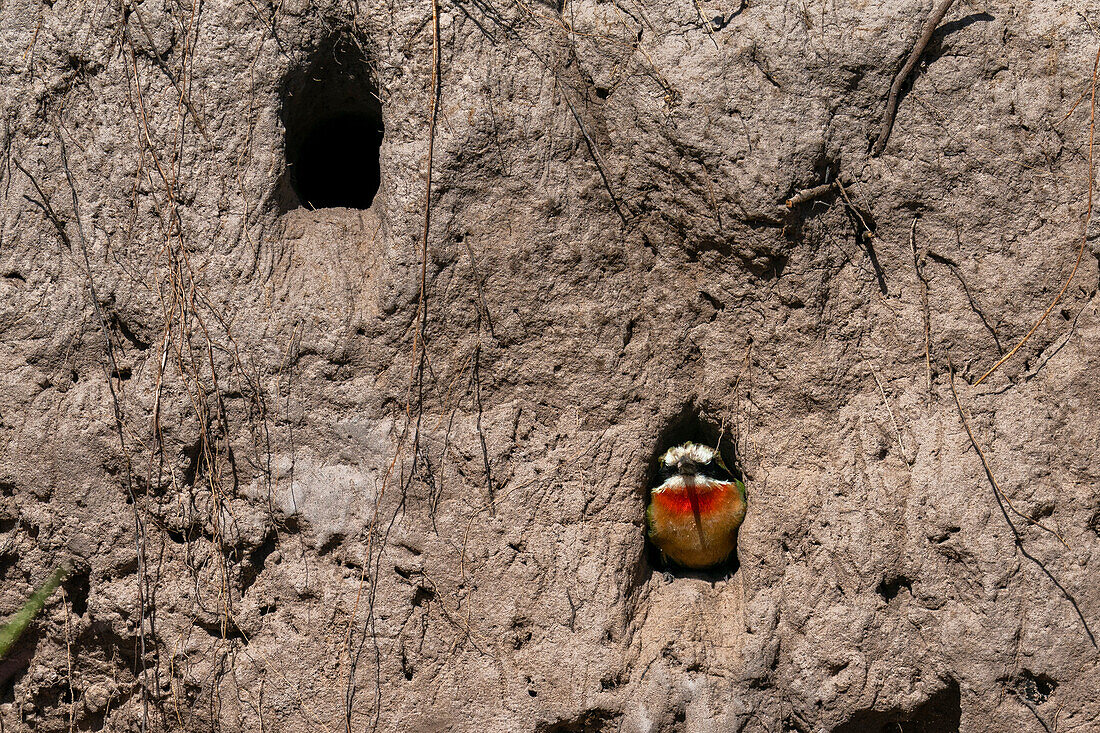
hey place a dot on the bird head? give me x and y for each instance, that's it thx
(691, 459)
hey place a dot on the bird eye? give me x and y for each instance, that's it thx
(716, 469)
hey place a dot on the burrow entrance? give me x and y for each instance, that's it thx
(333, 120)
(940, 713)
(692, 424)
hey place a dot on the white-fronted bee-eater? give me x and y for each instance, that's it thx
(696, 506)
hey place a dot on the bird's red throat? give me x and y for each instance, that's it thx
(698, 498)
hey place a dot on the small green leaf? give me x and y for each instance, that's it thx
(14, 628)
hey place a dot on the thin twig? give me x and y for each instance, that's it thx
(416, 378)
(953, 267)
(852, 207)
(163, 66)
(809, 194)
(1084, 237)
(422, 310)
(1034, 711)
(866, 239)
(588, 141)
(985, 463)
(476, 22)
(706, 25)
(45, 205)
(478, 285)
(924, 306)
(895, 89)
(592, 151)
(1019, 542)
(890, 412)
(69, 659)
(476, 378)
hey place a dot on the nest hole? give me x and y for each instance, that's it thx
(333, 120)
(691, 424)
(77, 587)
(940, 713)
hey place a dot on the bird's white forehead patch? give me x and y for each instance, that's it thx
(692, 451)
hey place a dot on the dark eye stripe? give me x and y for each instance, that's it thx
(711, 468)
(714, 470)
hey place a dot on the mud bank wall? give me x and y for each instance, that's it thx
(327, 453)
